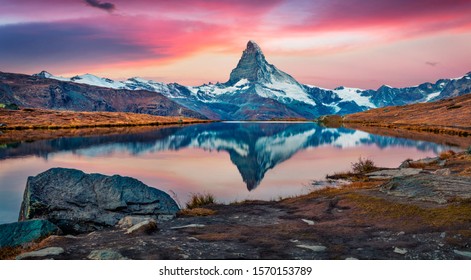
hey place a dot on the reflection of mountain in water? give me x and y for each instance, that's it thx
(253, 147)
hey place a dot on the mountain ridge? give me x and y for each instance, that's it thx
(46, 93)
(258, 90)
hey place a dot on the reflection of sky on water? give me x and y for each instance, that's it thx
(225, 159)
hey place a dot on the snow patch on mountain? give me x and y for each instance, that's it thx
(354, 94)
(214, 90)
(432, 96)
(93, 80)
(285, 91)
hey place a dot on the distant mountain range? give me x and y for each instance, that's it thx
(257, 90)
(37, 92)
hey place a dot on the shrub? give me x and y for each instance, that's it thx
(12, 106)
(198, 200)
(446, 154)
(195, 212)
(363, 166)
(469, 150)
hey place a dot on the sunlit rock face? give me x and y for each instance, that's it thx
(253, 67)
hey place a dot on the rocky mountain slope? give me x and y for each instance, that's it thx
(450, 115)
(39, 92)
(258, 90)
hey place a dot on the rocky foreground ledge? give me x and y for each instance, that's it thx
(421, 210)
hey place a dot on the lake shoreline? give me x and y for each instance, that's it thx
(436, 129)
(446, 116)
(366, 219)
(38, 124)
(31, 119)
(416, 133)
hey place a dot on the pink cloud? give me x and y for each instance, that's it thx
(418, 16)
(146, 33)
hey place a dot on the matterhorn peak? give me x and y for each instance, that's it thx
(254, 68)
(252, 65)
(252, 47)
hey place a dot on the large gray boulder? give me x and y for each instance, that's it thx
(17, 234)
(79, 202)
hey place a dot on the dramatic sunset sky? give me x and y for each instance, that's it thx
(326, 43)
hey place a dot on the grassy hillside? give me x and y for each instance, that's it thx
(452, 116)
(50, 119)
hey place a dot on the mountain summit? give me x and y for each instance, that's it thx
(254, 67)
(257, 90)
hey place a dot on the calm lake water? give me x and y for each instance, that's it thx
(232, 160)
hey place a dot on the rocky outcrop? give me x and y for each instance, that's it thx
(147, 226)
(429, 187)
(46, 252)
(16, 234)
(253, 67)
(130, 221)
(79, 202)
(106, 254)
(393, 173)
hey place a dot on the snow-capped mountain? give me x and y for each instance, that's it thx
(258, 90)
(45, 93)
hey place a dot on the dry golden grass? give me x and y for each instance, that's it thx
(437, 117)
(331, 120)
(413, 133)
(417, 165)
(29, 135)
(466, 172)
(331, 192)
(446, 154)
(49, 119)
(9, 253)
(452, 214)
(198, 200)
(194, 212)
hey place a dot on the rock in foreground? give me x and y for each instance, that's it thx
(46, 252)
(16, 234)
(429, 187)
(79, 202)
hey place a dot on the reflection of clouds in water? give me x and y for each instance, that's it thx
(277, 157)
(254, 148)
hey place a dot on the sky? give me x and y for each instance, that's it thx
(327, 43)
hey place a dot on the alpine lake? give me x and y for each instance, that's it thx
(233, 161)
